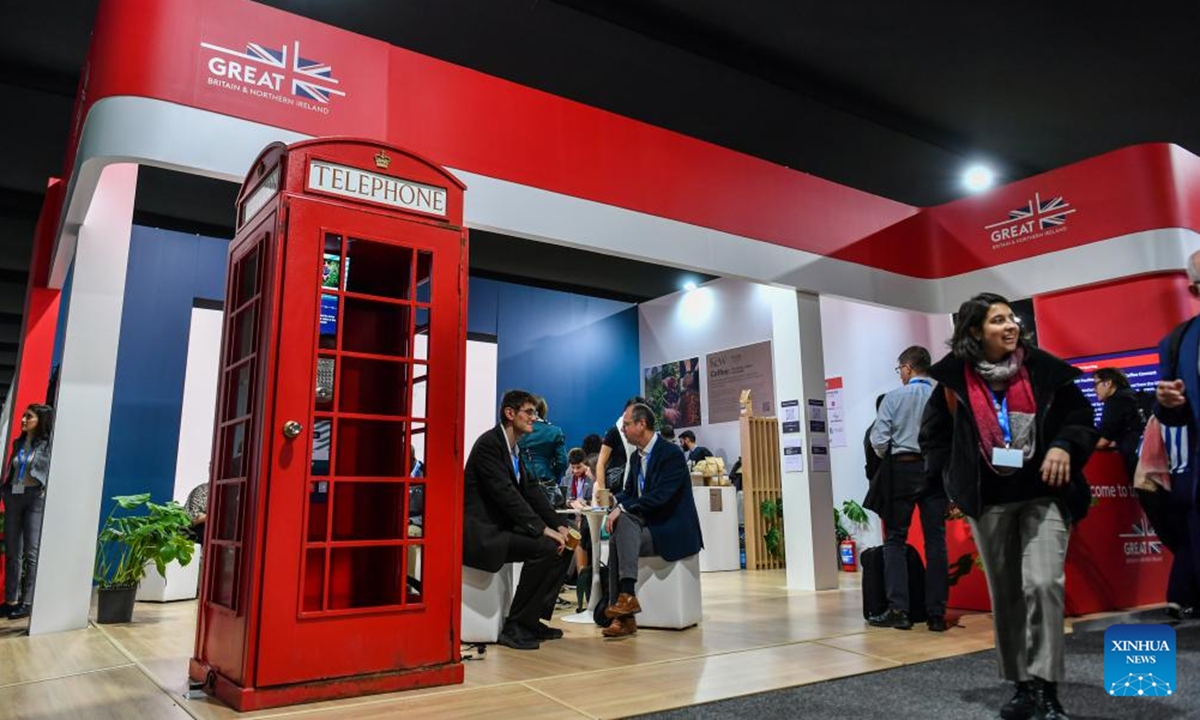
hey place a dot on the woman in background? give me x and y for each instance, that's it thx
(24, 494)
(614, 453)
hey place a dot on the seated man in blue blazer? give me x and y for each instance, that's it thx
(655, 515)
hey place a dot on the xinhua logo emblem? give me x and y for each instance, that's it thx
(1139, 661)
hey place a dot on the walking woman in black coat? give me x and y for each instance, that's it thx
(1010, 432)
(24, 494)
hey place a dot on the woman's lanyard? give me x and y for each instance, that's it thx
(23, 459)
(1001, 407)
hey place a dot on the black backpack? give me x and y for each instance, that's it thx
(598, 615)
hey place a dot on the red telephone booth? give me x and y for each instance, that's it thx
(331, 568)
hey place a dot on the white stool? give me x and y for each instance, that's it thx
(669, 592)
(486, 598)
(180, 583)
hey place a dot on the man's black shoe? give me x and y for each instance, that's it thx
(1022, 705)
(891, 618)
(1046, 696)
(21, 611)
(517, 638)
(1176, 612)
(545, 632)
(936, 623)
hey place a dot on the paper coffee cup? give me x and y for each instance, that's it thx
(573, 538)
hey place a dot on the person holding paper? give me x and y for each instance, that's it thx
(1009, 432)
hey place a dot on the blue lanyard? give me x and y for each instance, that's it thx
(641, 474)
(1001, 407)
(577, 493)
(920, 381)
(22, 458)
(517, 467)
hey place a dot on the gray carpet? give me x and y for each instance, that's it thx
(967, 687)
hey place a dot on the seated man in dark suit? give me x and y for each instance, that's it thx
(655, 515)
(695, 453)
(506, 518)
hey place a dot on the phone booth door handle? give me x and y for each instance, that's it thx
(291, 429)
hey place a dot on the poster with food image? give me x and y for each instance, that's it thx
(673, 391)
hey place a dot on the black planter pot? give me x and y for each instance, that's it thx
(115, 605)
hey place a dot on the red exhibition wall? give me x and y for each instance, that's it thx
(245, 60)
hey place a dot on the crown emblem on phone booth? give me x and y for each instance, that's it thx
(382, 160)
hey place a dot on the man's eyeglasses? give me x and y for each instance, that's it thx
(1194, 289)
(897, 368)
(531, 412)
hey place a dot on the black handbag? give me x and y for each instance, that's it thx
(614, 478)
(879, 493)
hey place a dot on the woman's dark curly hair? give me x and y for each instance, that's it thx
(45, 418)
(971, 316)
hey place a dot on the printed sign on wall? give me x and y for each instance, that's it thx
(734, 370)
(673, 391)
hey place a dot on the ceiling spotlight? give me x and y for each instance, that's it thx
(689, 286)
(978, 178)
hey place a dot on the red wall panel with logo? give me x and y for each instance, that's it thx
(245, 60)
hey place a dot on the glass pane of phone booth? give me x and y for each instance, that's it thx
(235, 424)
(365, 504)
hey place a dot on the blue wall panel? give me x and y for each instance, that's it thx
(580, 352)
(166, 271)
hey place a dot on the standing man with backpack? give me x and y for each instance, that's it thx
(894, 438)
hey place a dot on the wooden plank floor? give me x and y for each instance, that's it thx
(756, 636)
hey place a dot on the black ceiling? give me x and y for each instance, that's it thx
(890, 98)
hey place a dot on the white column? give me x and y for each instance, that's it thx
(799, 361)
(199, 409)
(85, 393)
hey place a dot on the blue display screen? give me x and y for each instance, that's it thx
(1140, 366)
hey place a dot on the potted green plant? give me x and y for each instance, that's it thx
(143, 533)
(772, 515)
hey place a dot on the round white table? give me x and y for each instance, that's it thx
(595, 520)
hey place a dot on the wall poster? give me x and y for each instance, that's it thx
(736, 369)
(673, 390)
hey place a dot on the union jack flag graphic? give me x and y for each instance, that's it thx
(310, 79)
(1048, 214)
(317, 71)
(1142, 530)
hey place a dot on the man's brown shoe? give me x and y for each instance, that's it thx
(626, 604)
(621, 627)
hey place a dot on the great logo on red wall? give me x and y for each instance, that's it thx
(273, 74)
(1037, 218)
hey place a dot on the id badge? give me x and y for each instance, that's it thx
(18, 488)
(1007, 457)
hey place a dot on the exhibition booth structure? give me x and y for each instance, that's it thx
(842, 282)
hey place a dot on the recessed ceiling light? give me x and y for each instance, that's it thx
(689, 286)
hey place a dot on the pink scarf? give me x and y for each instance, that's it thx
(1022, 410)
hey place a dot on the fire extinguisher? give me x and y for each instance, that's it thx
(849, 552)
